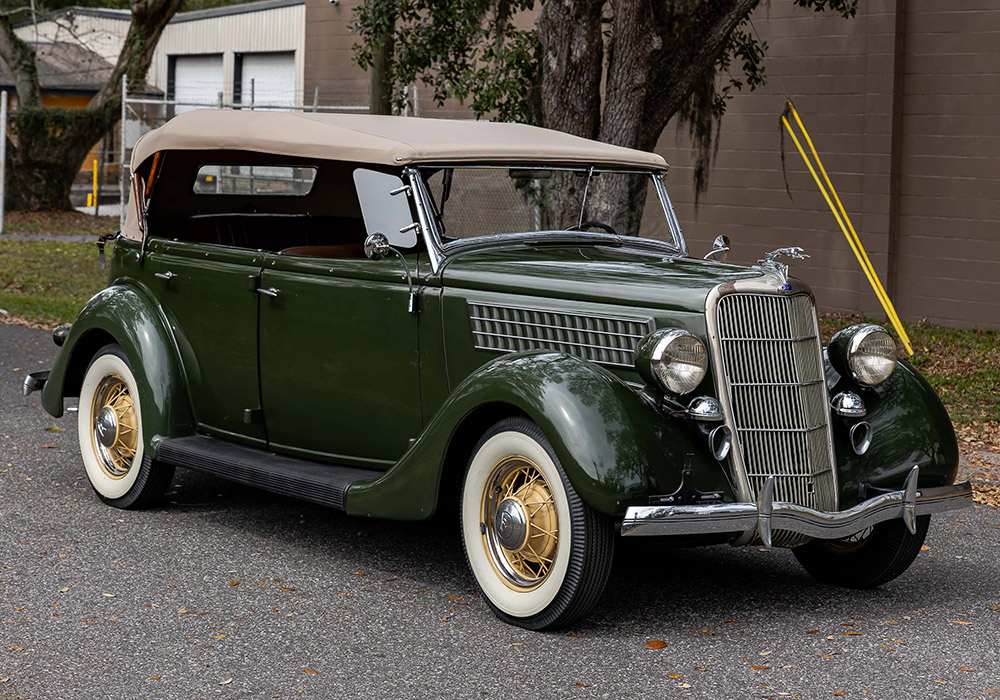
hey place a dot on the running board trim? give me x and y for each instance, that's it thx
(316, 482)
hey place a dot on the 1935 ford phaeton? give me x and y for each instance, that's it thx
(377, 313)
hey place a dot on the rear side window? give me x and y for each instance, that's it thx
(262, 180)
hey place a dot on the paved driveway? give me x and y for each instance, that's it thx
(227, 592)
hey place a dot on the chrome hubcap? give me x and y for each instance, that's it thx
(511, 525)
(106, 427)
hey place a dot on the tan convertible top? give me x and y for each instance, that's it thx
(383, 140)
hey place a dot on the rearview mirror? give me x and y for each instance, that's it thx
(385, 207)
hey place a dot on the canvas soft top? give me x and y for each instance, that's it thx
(383, 140)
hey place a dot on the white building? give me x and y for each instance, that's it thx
(253, 51)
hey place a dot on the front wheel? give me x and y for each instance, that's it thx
(540, 555)
(867, 559)
(111, 438)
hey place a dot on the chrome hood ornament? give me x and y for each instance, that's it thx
(770, 263)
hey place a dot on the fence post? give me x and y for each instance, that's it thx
(3, 156)
(121, 176)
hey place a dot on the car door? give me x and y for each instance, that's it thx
(339, 364)
(206, 292)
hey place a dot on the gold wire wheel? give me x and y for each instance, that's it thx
(115, 434)
(519, 523)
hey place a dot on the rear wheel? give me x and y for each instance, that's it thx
(111, 439)
(867, 559)
(540, 555)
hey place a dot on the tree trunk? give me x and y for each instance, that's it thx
(47, 146)
(380, 74)
(657, 54)
(570, 95)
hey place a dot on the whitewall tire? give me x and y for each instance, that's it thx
(540, 555)
(112, 442)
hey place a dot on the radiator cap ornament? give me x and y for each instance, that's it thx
(771, 265)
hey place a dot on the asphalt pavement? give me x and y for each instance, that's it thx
(233, 593)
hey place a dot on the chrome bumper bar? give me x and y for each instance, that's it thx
(767, 515)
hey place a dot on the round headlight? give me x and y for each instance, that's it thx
(865, 352)
(676, 360)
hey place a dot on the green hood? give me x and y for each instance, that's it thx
(593, 273)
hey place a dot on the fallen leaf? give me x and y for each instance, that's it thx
(220, 636)
(17, 648)
(963, 668)
(453, 597)
(960, 622)
(684, 685)
(582, 685)
(309, 670)
(700, 668)
(994, 607)
(110, 595)
(760, 668)
(940, 682)
(812, 631)
(54, 429)
(226, 682)
(925, 548)
(234, 583)
(656, 644)
(853, 634)
(838, 694)
(64, 590)
(675, 675)
(285, 588)
(765, 653)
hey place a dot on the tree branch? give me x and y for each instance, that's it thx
(20, 58)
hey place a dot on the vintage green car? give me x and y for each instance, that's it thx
(387, 315)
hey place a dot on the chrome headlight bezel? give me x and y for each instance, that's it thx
(654, 362)
(849, 347)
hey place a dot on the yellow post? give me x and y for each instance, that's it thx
(94, 196)
(840, 214)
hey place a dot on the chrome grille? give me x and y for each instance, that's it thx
(772, 369)
(601, 339)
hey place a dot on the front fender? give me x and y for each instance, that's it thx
(911, 427)
(122, 314)
(616, 448)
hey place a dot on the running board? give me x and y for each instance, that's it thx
(326, 484)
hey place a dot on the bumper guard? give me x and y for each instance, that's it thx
(34, 382)
(767, 515)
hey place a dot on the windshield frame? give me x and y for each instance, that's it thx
(440, 250)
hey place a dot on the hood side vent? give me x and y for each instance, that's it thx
(605, 340)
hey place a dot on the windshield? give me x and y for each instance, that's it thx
(478, 201)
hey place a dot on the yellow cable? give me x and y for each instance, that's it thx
(836, 214)
(880, 292)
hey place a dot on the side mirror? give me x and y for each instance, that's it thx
(377, 247)
(720, 249)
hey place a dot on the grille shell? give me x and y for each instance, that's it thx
(605, 340)
(770, 375)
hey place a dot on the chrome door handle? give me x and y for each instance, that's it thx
(165, 275)
(270, 291)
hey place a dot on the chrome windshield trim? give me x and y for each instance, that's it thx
(438, 251)
(766, 516)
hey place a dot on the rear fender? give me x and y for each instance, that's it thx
(123, 314)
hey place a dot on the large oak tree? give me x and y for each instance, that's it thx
(47, 145)
(613, 70)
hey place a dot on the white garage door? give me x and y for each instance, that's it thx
(198, 80)
(269, 78)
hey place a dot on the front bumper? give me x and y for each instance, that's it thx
(767, 515)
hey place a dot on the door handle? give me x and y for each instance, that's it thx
(165, 275)
(270, 291)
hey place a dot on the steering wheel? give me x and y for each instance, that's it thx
(593, 224)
